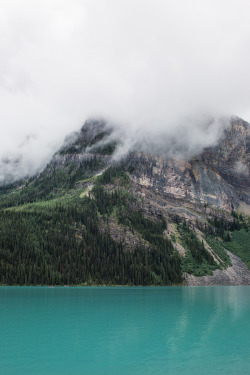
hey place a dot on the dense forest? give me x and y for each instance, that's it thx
(62, 244)
(50, 233)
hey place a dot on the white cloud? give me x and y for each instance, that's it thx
(143, 64)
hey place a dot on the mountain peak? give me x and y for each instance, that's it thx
(144, 218)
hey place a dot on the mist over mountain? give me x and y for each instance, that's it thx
(114, 209)
(181, 139)
(122, 159)
(156, 70)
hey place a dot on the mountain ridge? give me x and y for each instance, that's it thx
(143, 204)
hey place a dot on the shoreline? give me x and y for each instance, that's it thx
(236, 275)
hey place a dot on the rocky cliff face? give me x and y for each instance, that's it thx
(231, 158)
(219, 177)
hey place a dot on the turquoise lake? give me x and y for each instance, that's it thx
(122, 330)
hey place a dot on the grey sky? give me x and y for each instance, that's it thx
(143, 64)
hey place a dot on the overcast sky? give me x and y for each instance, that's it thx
(140, 63)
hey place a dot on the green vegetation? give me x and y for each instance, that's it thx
(112, 174)
(198, 260)
(219, 249)
(50, 184)
(108, 202)
(124, 205)
(240, 245)
(234, 236)
(61, 244)
(49, 235)
(222, 228)
(50, 231)
(131, 169)
(190, 265)
(106, 148)
(73, 149)
(98, 138)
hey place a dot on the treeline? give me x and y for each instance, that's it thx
(49, 183)
(220, 227)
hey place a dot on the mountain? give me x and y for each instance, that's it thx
(147, 218)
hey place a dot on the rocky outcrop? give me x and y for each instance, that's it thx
(122, 234)
(237, 274)
(231, 158)
(79, 147)
(218, 177)
(193, 181)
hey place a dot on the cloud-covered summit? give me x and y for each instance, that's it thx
(150, 66)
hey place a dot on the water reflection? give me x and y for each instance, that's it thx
(125, 330)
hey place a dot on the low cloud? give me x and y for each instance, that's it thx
(154, 68)
(183, 138)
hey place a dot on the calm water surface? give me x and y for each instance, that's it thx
(132, 331)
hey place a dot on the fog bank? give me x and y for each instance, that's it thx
(151, 67)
